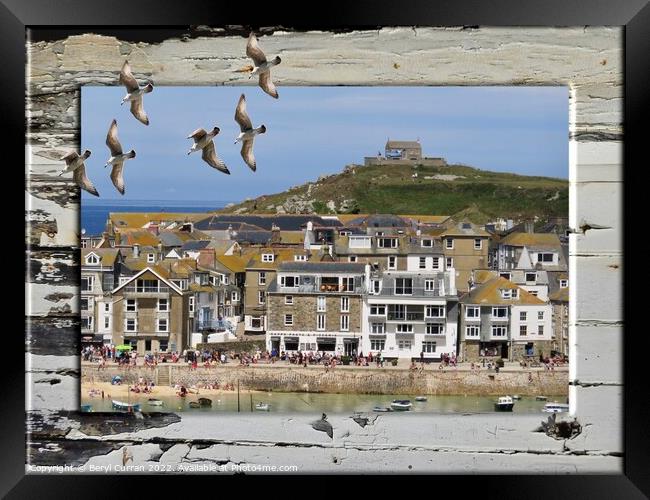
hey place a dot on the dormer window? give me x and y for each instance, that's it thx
(478, 243)
(564, 283)
(268, 257)
(151, 257)
(531, 277)
(427, 243)
(545, 257)
(449, 243)
(387, 242)
(505, 275)
(508, 293)
(92, 259)
(352, 258)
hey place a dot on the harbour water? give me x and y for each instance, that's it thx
(287, 402)
(95, 212)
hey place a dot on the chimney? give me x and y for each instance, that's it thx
(136, 250)
(529, 226)
(275, 234)
(206, 257)
(230, 231)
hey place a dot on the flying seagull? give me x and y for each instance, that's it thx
(261, 66)
(134, 92)
(203, 140)
(75, 163)
(117, 158)
(247, 134)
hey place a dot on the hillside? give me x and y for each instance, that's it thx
(479, 194)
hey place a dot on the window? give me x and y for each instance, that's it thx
(288, 320)
(434, 329)
(256, 322)
(472, 331)
(392, 262)
(564, 283)
(321, 304)
(531, 277)
(352, 258)
(320, 322)
(267, 257)
(450, 262)
(427, 243)
(377, 344)
(345, 322)
(151, 257)
(92, 259)
(478, 243)
(387, 242)
(540, 329)
(403, 286)
(472, 312)
(523, 330)
(522, 316)
(540, 315)
(146, 286)
(191, 304)
(499, 331)
(434, 311)
(428, 347)
(289, 281)
(435, 263)
(429, 285)
(300, 258)
(347, 284)
(404, 345)
(261, 279)
(449, 243)
(345, 304)
(261, 297)
(533, 292)
(288, 300)
(163, 305)
(107, 322)
(500, 312)
(87, 283)
(87, 323)
(423, 262)
(234, 296)
(377, 328)
(375, 287)
(83, 305)
(509, 293)
(404, 328)
(210, 297)
(378, 310)
(505, 275)
(162, 325)
(107, 307)
(129, 325)
(131, 305)
(544, 257)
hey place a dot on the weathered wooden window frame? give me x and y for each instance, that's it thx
(427, 444)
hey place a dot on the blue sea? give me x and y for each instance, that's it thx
(95, 212)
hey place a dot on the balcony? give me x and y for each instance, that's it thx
(407, 292)
(147, 291)
(215, 325)
(408, 316)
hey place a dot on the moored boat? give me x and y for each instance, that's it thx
(516, 397)
(381, 409)
(401, 405)
(122, 406)
(420, 398)
(555, 407)
(262, 407)
(504, 403)
(194, 404)
(86, 408)
(205, 401)
(155, 402)
(540, 398)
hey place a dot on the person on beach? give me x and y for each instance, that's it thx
(422, 357)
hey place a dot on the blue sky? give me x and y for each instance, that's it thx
(313, 131)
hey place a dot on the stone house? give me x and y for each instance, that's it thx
(466, 247)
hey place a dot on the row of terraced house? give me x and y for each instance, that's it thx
(406, 286)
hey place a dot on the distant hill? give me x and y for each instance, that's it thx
(477, 195)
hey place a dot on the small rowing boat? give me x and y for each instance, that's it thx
(555, 407)
(262, 407)
(516, 397)
(122, 406)
(401, 405)
(504, 403)
(205, 401)
(540, 398)
(155, 402)
(381, 409)
(420, 398)
(86, 408)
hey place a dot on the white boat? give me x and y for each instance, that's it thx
(381, 409)
(540, 398)
(121, 405)
(504, 403)
(262, 407)
(555, 407)
(154, 402)
(420, 398)
(516, 397)
(401, 405)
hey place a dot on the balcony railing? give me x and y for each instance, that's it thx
(146, 289)
(407, 291)
(409, 316)
(215, 324)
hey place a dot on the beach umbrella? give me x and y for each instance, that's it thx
(123, 347)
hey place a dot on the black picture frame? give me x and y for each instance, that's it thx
(152, 20)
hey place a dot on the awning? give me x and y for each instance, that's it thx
(350, 341)
(326, 340)
(291, 339)
(274, 337)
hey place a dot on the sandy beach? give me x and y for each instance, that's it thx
(121, 392)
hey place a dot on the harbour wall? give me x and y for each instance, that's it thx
(343, 380)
